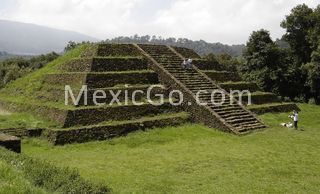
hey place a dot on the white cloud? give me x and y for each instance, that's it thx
(211, 20)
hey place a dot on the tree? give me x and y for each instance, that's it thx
(13, 68)
(265, 62)
(314, 33)
(298, 25)
(312, 70)
(71, 45)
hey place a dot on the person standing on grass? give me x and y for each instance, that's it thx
(295, 118)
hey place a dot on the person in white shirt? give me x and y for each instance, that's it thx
(189, 64)
(184, 64)
(295, 117)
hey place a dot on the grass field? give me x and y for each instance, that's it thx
(197, 159)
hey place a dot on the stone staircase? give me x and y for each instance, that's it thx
(262, 102)
(228, 116)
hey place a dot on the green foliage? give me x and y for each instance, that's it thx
(48, 176)
(288, 71)
(265, 63)
(312, 70)
(225, 61)
(72, 45)
(298, 25)
(14, 68)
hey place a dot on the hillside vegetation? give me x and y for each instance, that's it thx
(22, 174)
(16, 67)
(25, 88)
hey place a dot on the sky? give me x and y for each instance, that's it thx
(225, 21)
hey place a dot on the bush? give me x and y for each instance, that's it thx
(50, 177)
(14, 68)
(312, 101)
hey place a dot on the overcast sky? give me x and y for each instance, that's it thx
(226, 21)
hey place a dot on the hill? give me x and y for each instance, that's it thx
(30, 39)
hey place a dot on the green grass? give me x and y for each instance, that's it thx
(196, 159)
(26, 87)
(22, 121)
(13, 181)
(20, 170)
(23, 93)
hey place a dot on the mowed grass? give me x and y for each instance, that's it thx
(197, 159)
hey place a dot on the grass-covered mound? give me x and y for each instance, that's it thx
(22, 173)
(197, 159)
(22, 121)
(28, 94)
(25, 89)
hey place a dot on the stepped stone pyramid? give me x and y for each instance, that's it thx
(262, 102)
(125, 68)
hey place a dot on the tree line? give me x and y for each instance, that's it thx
(292, 71)
(13, 68)
(200, 46)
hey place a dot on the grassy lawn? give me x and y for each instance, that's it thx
(197, 159)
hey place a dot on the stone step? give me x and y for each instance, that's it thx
(96, 114)
(116, 78)
(252, 87)
(138, 92)
(103, 131)
(273, 107)
(229, 113)
(244, 129)
(185, 52)
(57, 93)
(203, 64)
(233, 114)
(117, 50)
(102, 80)
(104, 64)
(10, 142)
(245, 124)
(242, 119)
(259, 98)
(228, 108)
(222, 76)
